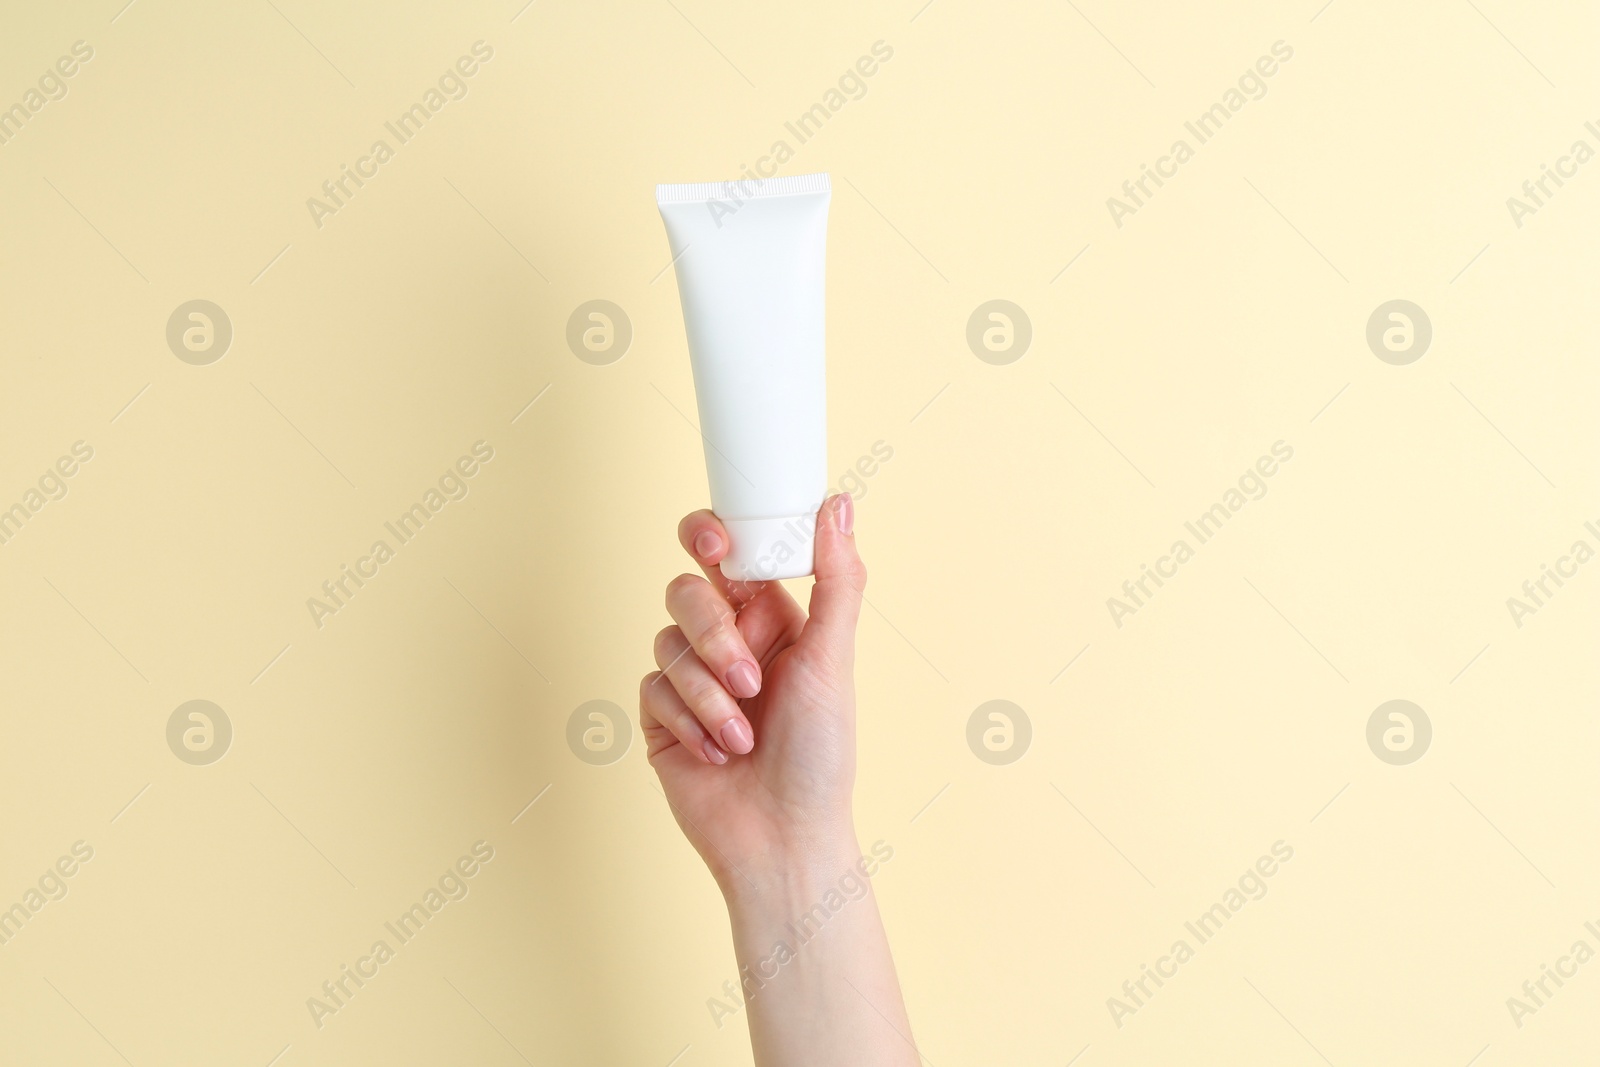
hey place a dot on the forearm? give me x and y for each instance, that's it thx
(818, 980)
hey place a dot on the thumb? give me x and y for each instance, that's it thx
(840, 576)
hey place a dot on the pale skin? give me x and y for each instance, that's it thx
(750, 725)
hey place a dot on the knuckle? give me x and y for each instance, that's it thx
(850, 580)
(666, 644)
(681, 586)
(714, 632)
(707, 697)
(686, 728)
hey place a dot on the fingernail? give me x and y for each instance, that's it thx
(713, 753)
(706, 543)
(844, 513)
(744, 678)
(736, 736)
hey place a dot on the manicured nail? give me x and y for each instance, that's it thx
(706, 543)
(737, 737)
(744, 678)
(844, 513)
(713, 753)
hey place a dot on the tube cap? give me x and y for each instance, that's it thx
(763, 549)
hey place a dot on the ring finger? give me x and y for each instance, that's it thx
(660, 705)
(712, 705)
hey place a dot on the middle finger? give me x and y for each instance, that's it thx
(709, 623)
(699, 689)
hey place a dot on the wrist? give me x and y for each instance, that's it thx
(787, 883)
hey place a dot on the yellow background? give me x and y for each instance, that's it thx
(370, 353)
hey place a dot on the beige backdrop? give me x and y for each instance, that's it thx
(1174, 340)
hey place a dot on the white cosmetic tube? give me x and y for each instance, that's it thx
(749, 258)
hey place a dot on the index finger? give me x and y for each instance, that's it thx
(768, 616)
(703, 536)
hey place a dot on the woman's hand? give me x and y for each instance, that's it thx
(751, 727)
(750, 723)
